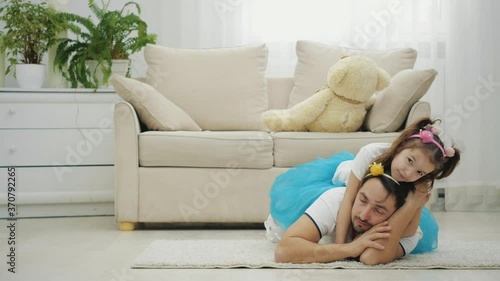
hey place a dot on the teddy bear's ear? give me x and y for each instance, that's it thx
(383, 79)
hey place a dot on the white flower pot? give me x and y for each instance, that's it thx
(30, 75)
(119, 67)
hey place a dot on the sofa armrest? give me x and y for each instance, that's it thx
(418, 110)
(127, 131)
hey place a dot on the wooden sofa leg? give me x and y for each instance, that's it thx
(127, 226)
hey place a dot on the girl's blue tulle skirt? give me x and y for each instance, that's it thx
(430, 229)
(295, 190)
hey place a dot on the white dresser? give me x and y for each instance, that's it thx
(60, 141)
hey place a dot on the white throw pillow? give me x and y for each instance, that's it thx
(221, 89)
(393, 104)
(153, 109)
(315, 59)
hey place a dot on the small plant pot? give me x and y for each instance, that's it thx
(30, 75)
(119, 67)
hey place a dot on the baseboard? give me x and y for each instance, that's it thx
(60, 210)
(473, 198)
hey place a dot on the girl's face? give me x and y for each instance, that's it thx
(411, 164)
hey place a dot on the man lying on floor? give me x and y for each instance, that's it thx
(377, 229)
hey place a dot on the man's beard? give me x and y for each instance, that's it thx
(360, 228)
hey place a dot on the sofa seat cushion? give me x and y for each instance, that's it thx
(214, 149)
(293, 148)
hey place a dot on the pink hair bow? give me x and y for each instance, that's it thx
(427, 136)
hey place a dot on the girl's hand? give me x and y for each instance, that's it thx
(367, 239)
(424, 186)
(417, 198)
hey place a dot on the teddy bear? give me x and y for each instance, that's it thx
(338, 107)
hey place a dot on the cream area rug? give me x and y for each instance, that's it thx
(257, 253)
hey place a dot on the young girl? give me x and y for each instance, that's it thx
(417, 155)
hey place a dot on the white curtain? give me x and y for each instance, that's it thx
(472, 86)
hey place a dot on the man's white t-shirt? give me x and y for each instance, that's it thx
(324, 211)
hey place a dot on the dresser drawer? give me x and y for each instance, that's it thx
(57, 185)
(56, 115)
(53, 147)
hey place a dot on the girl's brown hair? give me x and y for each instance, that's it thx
(444, 165)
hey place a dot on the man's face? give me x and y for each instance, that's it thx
(372, 206)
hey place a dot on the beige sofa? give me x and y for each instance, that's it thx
(217, 176)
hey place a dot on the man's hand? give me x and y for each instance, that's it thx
(367, 239)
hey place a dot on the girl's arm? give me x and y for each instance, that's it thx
(344, 218)
(413, 225)
(415, 221)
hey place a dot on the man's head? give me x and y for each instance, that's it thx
(378, 198)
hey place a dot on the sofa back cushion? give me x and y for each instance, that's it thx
(154, 109)
(315, 59)
(278, 91)
(393, 104)
(221, 89)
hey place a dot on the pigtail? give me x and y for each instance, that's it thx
(449, 166)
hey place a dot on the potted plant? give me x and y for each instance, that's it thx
(30, 30)
(115, 36)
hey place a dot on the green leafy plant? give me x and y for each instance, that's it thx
(116, 35)
(30, 30)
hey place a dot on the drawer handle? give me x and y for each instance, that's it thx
(13, 148)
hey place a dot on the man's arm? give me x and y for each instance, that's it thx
(300, 244)
(398, 222)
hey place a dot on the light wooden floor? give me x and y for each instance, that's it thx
(91, 248)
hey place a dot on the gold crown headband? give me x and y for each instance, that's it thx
(376, 169)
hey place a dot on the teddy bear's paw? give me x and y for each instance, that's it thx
(275, 120)
(349, 122)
